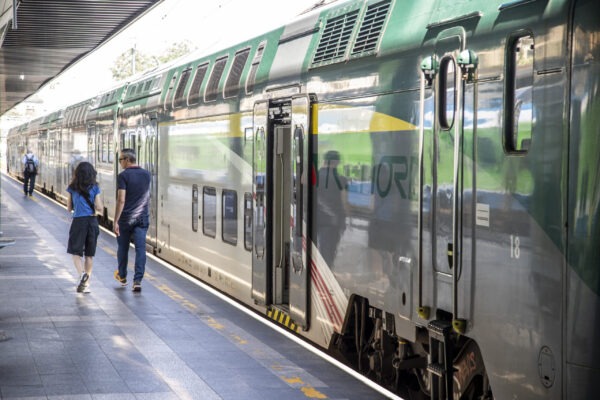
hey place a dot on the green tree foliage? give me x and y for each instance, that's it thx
(176, 50)
(124, 66)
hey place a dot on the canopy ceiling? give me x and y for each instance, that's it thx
(41, 38)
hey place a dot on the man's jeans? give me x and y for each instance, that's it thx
(137, 232)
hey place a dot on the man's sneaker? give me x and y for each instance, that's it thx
(122, 281)
(137, 286)
(83, 286)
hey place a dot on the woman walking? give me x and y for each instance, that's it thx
(83, 235)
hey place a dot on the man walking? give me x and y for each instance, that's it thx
(30, 166)
(131, 217)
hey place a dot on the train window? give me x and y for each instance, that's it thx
(248, 221)
(254, 68)
(194, 94)
(195, 208)
(297, 187)
(518, 109)
(104, 148)
(229, 216)
(169, 91)
(80, 114)
(232, 83)
(447, 97)
(212, 88)
(110, 148)
(209, 211)
(156, 82)
(179, 100)
(69, 117)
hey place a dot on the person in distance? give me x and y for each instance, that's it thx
(30, 167)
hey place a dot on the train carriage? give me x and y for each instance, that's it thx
(74, 144)
(409, 186)
(101, 125)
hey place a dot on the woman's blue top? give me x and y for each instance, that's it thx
(81, 208)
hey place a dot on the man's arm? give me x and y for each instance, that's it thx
(118, 209)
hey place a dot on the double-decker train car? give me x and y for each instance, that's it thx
(411, 186)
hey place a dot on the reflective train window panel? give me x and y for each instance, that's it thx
(518, 108)
(447, 103)
(248, 221)
(209, 211)
(195, 208)
(229, 217)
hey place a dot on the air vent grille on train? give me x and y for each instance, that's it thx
(371, 28)
(335, 38)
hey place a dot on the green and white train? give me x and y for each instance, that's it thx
(412, 186)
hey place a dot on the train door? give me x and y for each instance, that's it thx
(150, 164)
(280, 274)
(442, 184)
(41, 141)
(91, 144)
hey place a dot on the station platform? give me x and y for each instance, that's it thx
(175, 340)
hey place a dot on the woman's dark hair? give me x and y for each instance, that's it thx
(83, 178)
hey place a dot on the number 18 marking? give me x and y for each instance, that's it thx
(515, 250)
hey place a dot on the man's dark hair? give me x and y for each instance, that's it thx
(129, 154)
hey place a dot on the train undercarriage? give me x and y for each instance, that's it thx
(414, 370)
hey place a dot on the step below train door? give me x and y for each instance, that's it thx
(279, 259)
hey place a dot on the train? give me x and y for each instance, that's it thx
(405, 185)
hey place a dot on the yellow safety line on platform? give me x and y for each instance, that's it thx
(308, 390)
(296, 382)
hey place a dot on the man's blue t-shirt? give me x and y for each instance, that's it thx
(81, 208)
(136, 183)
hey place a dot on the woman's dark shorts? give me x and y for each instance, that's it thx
(83, 236)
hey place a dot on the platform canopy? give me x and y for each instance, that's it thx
(41, 38)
